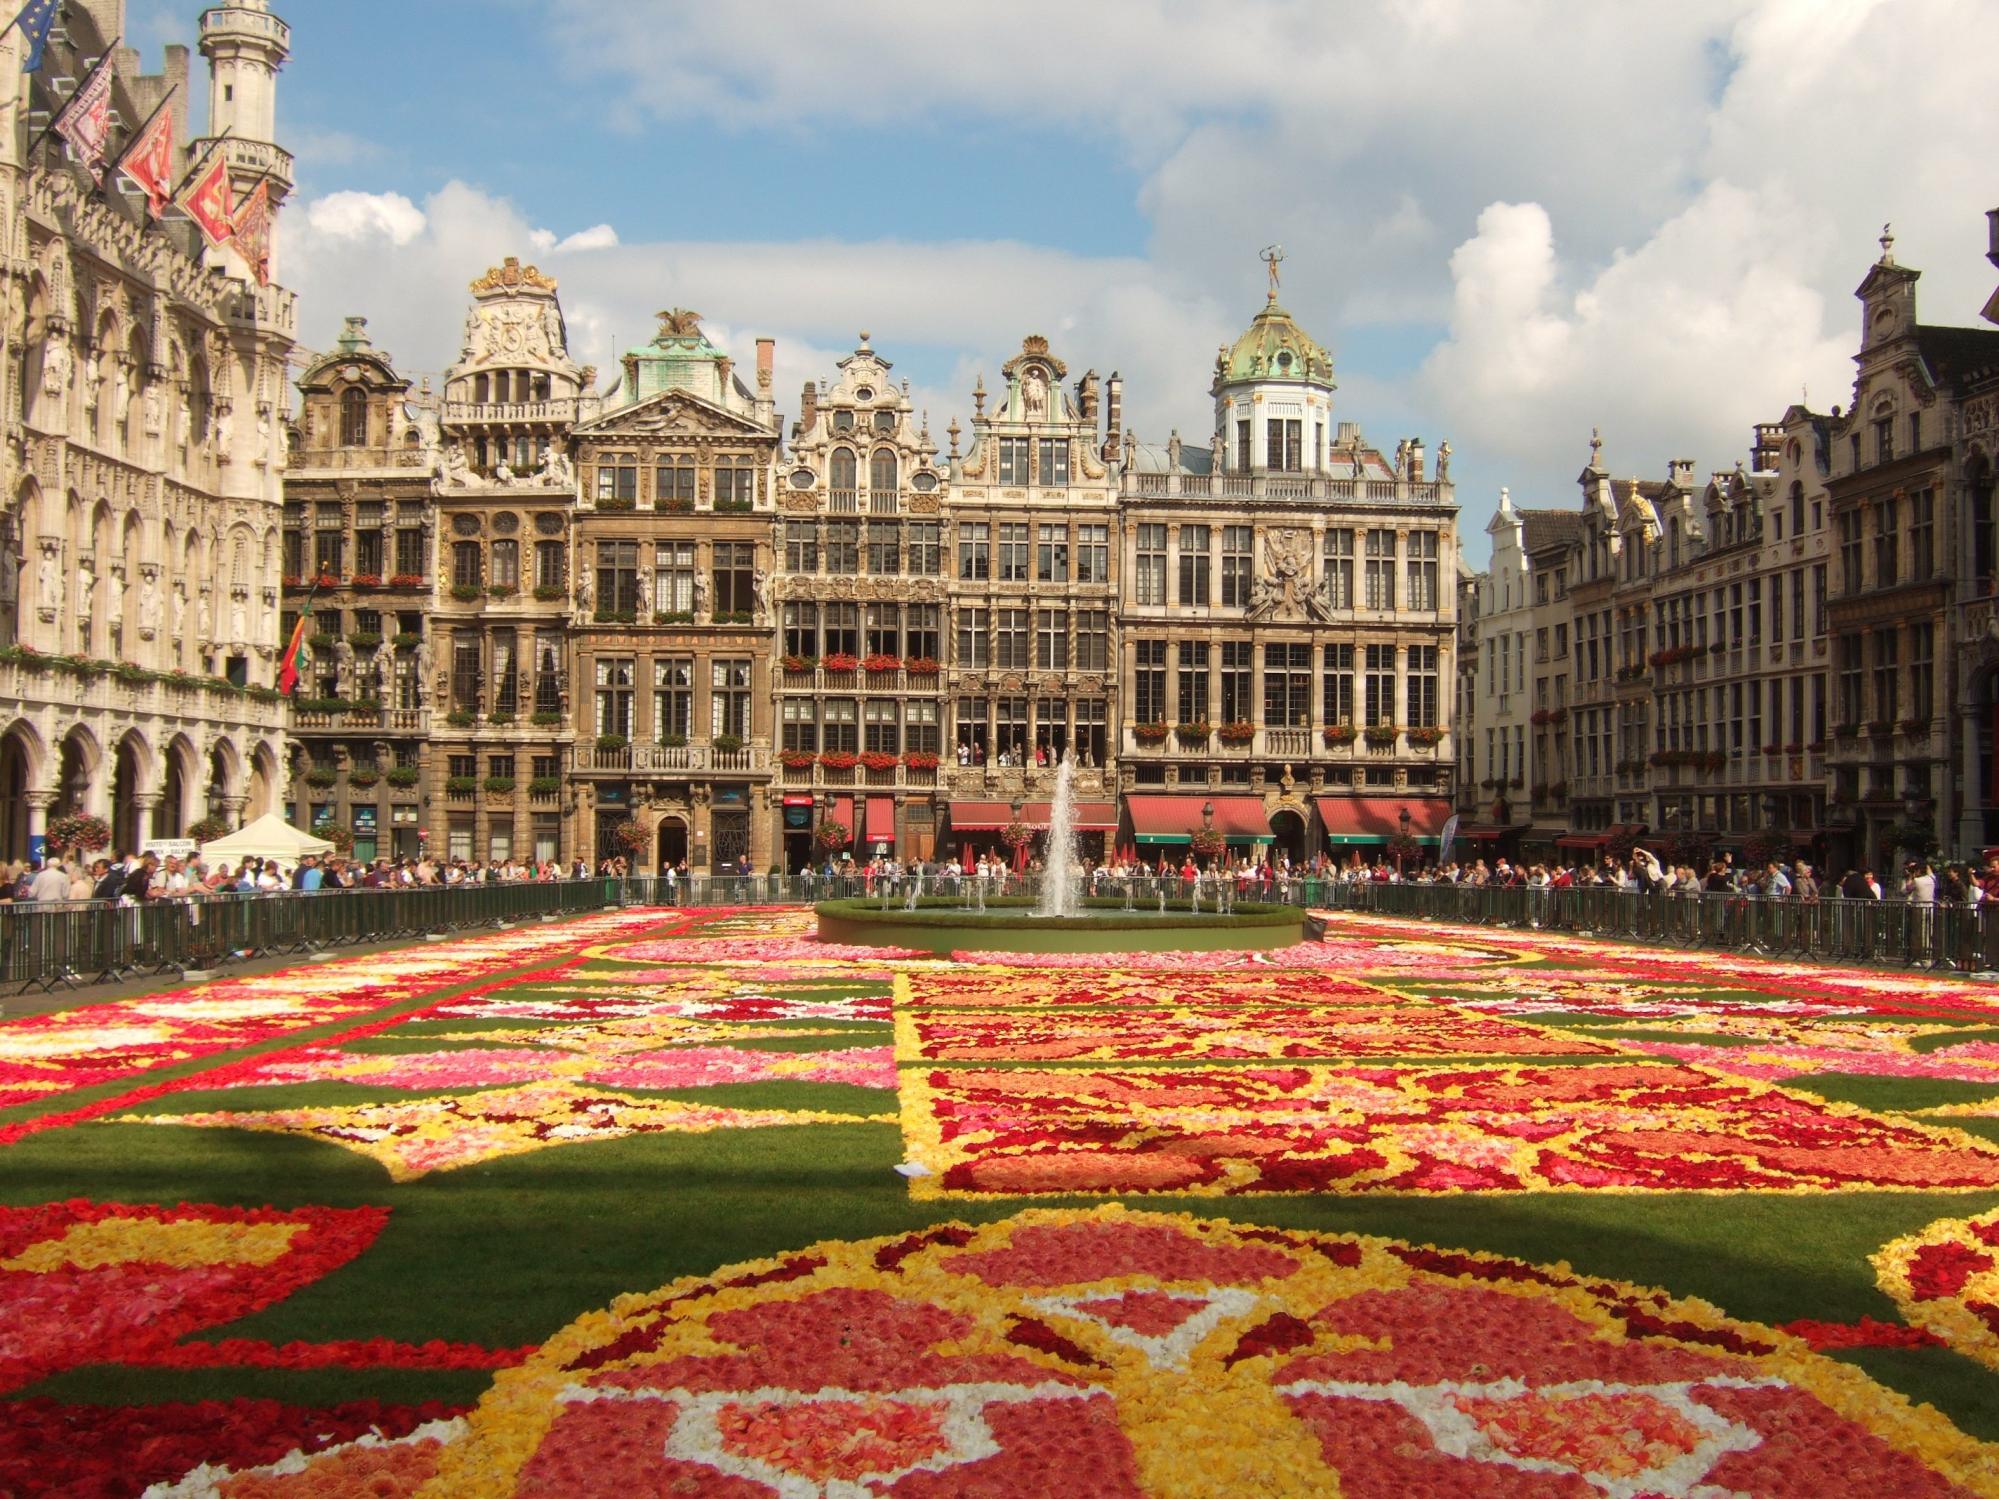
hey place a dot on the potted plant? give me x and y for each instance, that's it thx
(544, 718)
(402, 777)
(366, 580)
(362, 777)
(406, 580)
(673, 741)
(460, 785)
(338, 834)
(631, 836)
(1427, 736)
(502, 590)
(544, 785)
(407, 640)
(613, 502)
(1208, 842)
(1379, 733)
(548, 593)
(839, 759)
(208, 829)
(1017, 835)
(1194, 732)
(500, 718)
(364, 640)
(321, 777)
(461, 718)
(611, 742)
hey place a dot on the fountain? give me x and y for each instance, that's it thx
(1060, 918)
(1059, 885)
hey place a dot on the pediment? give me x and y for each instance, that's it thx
(673, 413)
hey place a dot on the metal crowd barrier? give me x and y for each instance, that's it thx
(1955, 938)
(62, 944)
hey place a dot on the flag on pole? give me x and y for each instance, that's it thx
(148, 157)
(291, 669)
(251, 229)
(207, 200)
(35, 18)
(84, 122)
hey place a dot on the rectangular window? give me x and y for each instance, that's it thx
(549, 654)
(840, 722)
(1051, 639)
(614, 695)
(1886, 540)
(1849, 551)
(1380, 574)
(881, 726)
(1422, 687)
(883, 630)
(1051, 555)
(1053, 456)
(1777, 608)
(1238, 565)
(1245, 451)
(617, 476)
(506, 672)
(1194, 566)
(843, 548)
(1337, 588)
(1379, 684)
(974, 638)
(673, 696)
(841, 632)
(1849, 678)
(1093, 640)
(735, 481)
(1238, 680)
(925, 552)
(617, 576)
(1337, 686)
(798, 726)
(1422, 570)
(1922, 671)
(467, 672)
(1923, 534)
(884, 548)
(1015, 455)
(974, 539)
(409, 553)
(921, 733)
(467, 564)
(1818, 599)
(801, 546)
(729, 697)
(1887, 674)
(1149, 681)
(1014, 558)
(550, 564)
(672, 481)
(1151, 564)
(507, 564)
(1093, 554)
(1284, 442)
(1287, 684)
(921, 638)
(673, 577)
(801, 628)
(735, 578)
(368, 554)
(1010, 639)
(1194, 681)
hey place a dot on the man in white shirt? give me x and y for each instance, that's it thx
(51, 884)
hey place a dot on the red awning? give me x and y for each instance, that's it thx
(1172, 819)
(1597, 840)
(1376, 819)
(798, 801)
(1476, 835)
(843, 813)
(990, 817)
(881, 819)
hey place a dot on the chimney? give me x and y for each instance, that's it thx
(1681, 471)
(766, 362)
(1992, 235)
(808, 408)
(1086, 397)
(1113, 414)
(1416, 460)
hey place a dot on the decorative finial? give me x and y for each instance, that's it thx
(979, 397)
(1887, 244)
(1270, 255)
(864, 338)
(1595, 445)
(953, 431)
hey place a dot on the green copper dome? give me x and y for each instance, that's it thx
(1274, 348)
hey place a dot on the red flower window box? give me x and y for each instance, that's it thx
(839, 760)
(921, 666)
(920, 760)
(840, 661)
(878, 760)
(881, 664)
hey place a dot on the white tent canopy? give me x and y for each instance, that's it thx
(269, 837)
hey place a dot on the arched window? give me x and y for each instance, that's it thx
(881, 471)
(353, 417)
(480, 389)
(841, 474)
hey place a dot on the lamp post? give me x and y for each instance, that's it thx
(1404, 844)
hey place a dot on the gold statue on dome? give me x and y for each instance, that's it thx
(1271, 255)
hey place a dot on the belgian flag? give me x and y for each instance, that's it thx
(297, 657)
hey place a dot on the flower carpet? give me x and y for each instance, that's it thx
(686, 1202)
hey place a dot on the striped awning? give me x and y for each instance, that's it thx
(1372, 820)
(1173, 819)
(990, 817)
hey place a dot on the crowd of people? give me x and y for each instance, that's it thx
(128, 878)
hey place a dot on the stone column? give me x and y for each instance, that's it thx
(1970, 820)
(39, 803)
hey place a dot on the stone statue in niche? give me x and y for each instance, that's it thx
(180, 613)
(86, 594)
(1033, 394)
(152, 608)
(50, 576)
(152, 409)
(224, 430)
(760, 589)
(204, 618)
(645, 594)
(700, 595)
(457, 472)
(584, 593)
(343, 667)
(55, 367)
(239, 617)
(121, 393)
(90, 374)
(114, 597)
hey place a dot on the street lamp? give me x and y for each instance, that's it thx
(1403, 845)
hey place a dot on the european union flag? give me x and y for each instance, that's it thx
(35, 19)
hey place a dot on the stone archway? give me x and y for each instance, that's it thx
(77, 774)
(130, 826)
(670, 843)
(1287, 834)
(17, 778)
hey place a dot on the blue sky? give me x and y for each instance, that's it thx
(1510, 220)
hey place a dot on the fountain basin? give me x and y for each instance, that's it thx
(1011, 925)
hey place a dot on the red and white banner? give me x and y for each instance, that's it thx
(149, 159)
(208, 201)
(85, 121)
(253, 233)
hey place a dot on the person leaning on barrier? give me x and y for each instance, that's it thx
(51, 883)
(1803, 885)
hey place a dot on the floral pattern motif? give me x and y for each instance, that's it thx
(1111, 1353)
(1945, 1281)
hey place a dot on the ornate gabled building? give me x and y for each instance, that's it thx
(1032, 551)
(671, 646)
(860, 596)
(359, 550)
(141, 454)
(1976, 460)
(496, 659)
(1287, 618)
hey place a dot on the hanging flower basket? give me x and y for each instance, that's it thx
(833, 833)
(1017, 835)
(208, 829)
(337, 834)
(1208, 843)
(79, 832)
(630, 836)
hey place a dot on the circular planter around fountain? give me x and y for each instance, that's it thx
(1010, 925)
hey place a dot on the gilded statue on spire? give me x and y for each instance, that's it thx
(1271, 255)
